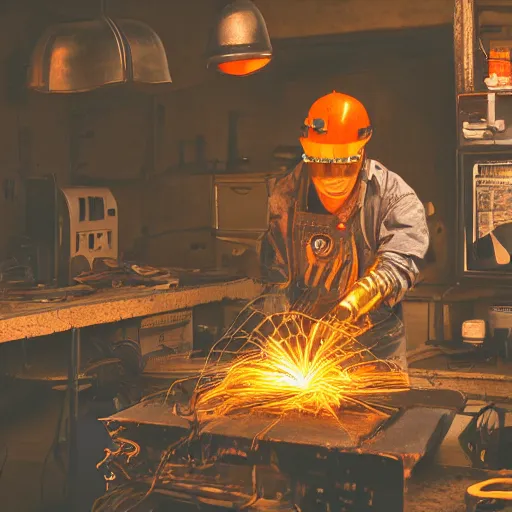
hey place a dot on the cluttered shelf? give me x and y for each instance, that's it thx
(24, 319)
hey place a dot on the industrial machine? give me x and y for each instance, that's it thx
(70, 228)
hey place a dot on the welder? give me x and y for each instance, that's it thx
(347, 236)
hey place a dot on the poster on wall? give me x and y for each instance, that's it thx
(492, 217)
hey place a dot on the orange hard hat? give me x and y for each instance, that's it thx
(336, 130)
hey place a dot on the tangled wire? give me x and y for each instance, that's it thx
(276, 364)
(290, 362)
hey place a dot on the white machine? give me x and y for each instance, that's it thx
(473, 332)
(89, 225)
(69, 228)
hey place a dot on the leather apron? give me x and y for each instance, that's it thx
(324, 264)
(323, 258)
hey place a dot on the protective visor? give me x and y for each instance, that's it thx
(345, 160)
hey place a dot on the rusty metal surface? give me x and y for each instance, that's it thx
(360, 461)
(416, 433)
(299, 430)
(411, 432)
(420, 414)
(352, 429)
(419, 397)
(150, 413)
(247, 426)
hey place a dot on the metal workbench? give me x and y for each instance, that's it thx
(23, 320)
(30, 320)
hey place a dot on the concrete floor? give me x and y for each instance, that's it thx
(32, 480)
(29, 484)
(434, 490)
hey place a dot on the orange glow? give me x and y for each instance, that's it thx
(316, 370)
(60, 67)
(243, 67)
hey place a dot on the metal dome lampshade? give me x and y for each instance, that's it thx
(85, 55)
(240, 44)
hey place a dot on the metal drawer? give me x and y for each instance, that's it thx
(241, 203)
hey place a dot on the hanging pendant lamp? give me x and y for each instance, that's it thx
(240, 44)
(85, 55)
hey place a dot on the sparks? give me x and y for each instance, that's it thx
(315, 370)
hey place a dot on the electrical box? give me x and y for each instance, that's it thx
(169, 333)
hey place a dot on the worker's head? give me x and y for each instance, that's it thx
(334, 137)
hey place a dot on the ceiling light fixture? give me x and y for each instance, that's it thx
(85, 55)
(240, 44)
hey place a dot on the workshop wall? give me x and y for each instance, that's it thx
(105, 134)
(410, 98)
(301, 18)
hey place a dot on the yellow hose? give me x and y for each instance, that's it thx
(478, 490)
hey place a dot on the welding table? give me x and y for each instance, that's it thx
(438, 485)
(20, 321)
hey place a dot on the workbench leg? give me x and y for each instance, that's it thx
(73, 386)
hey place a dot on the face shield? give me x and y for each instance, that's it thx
(333, 179)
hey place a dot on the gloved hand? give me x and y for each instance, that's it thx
(340, 313)
(379, 284)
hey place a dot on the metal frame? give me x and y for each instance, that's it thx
(73, 389)
(464, 45)
(465, 40)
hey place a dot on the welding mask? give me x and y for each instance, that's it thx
(333, 138)
(335, 181)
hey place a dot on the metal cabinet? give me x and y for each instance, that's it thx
(241, 203)
(241, 219)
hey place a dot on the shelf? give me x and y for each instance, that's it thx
(473, 41)
(491, 143)
(485, 93)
